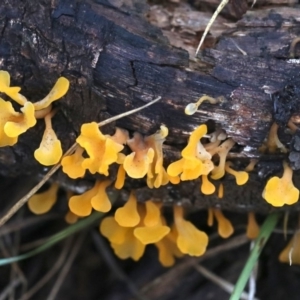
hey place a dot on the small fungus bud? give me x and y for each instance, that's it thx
(191, 108)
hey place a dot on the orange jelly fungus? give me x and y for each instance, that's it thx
(138, 162)
(101, 149)
(195, 159)
(153, 230)
(221, 191)
(291, 253)
(13, 123)
(12, 92)
(241, 177)
(219, 171)
(190, 240)
(41, 203)
(191, 108)
(50, 151)
(167, 248)
(252, 227)
(280, 191)
(82, 205)
(128, 215)
(71, 218)
(225, 228)
(207, 188)
(72, 164)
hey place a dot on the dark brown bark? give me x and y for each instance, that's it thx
(116, 60)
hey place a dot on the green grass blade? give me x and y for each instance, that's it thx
(55, 238)
(260, 242)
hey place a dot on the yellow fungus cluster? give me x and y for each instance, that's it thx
(13, 123)
(136, 225)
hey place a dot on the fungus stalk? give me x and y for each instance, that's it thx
(191, 108)
(280, 191)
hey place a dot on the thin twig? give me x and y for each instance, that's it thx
(25, 199)
(211, 21)
(172, 277)
(12, 285)
(51, 272)
(66, 267)
(222, 283)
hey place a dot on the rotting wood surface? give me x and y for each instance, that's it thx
(116, 60)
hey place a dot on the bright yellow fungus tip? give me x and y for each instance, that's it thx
(207, 188)
(191, 108)
(188, 234)
(43, 202)
(149, 235)
(23, 121)
(221, 191)
(101, 149)
(241, 177)
(273, 142)
(50, 151)
(72, 164)
(280, 191)
(128, 216)
(291, 253)
(59, 90)
(120, 177)
(167, 248)
(12, 92)
(71, 218)
(138, 162)
(81, 205)
(152, 216)
(195, 159)
(100, 200)
(225, 228)
(113, 231)
(219, 171)
(130, 248)
(157, 175)
(252, 227)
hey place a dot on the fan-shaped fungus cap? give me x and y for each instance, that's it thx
(138, 162)
(225, 228)
(72, 164)
(252, 227)
(188, 234)
(130, 248)
(291, 253)
(81, 205)
(167, 249)
(191, 108)
(121, 136)
(207, 188)
(43, 202)
(157, 175)
(154, 230)
(50, 151)
(59, 90)
(102, 150)
(128, 215)
(12, 92)
(219, 171)
(100, 200)
(196, 160)
(241, 177)
(280, 191)
(111, 229)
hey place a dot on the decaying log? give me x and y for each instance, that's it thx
(116, 60)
